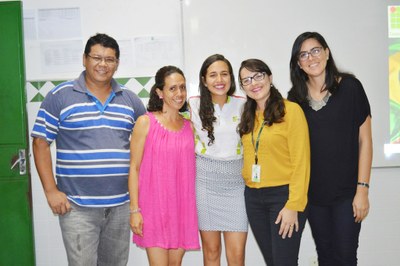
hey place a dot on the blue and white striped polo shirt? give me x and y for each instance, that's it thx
(92, 141)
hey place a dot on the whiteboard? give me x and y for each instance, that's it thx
(356, 31)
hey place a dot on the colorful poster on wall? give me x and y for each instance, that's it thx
(394, 72)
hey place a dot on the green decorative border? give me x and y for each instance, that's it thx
(37, 90)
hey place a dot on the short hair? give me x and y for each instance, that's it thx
(105, 41)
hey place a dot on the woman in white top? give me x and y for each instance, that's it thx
(219, 185)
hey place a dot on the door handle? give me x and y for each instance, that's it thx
(21, 161)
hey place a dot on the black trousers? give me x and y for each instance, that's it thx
(263, 206)
(335, 233)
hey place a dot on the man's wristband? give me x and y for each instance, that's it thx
(363, 184)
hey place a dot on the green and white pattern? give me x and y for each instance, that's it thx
(37, 90)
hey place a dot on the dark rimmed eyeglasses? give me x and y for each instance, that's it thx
(107, 60)
(257, 77)
(314, 52)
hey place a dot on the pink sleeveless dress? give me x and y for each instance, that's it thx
(167, 189)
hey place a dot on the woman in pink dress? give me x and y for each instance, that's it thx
(162, 174)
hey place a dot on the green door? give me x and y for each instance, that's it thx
(16, 233)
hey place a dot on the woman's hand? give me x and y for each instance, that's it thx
(289, 222)
(136, 223)
(360, 204)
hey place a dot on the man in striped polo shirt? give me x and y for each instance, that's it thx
(91, 120)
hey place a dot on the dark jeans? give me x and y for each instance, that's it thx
(263, 206)
(335, 233)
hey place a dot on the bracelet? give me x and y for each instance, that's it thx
(135, 210)
(363, 184)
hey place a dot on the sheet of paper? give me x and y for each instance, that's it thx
(59, 23)
(126, 54)
(157, 51)
(30, 32)
(61, 56)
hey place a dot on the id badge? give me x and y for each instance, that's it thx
(255, 173)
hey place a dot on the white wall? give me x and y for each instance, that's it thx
(380, 235)
(356, 31)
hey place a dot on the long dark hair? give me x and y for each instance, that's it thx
(299, 91)
(155, 103)
(206, 111)
(274, 107)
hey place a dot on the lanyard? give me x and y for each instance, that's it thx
(257, 142)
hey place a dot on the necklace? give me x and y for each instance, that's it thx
(317, 105)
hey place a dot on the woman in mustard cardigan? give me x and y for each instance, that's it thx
(276, 168)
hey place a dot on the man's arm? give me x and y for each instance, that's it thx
(56, 199)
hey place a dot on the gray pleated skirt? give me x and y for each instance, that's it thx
(220, 195)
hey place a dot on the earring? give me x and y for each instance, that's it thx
(160, 97)
(271, 85)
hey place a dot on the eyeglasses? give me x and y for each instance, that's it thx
(314, 52)
(257, 77)
(107, 60)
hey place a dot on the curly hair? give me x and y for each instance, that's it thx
(274, 107)
(155, 103)
(206, 111)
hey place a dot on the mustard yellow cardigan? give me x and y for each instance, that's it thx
(283, 154)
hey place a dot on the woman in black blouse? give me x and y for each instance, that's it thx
(339, 119)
